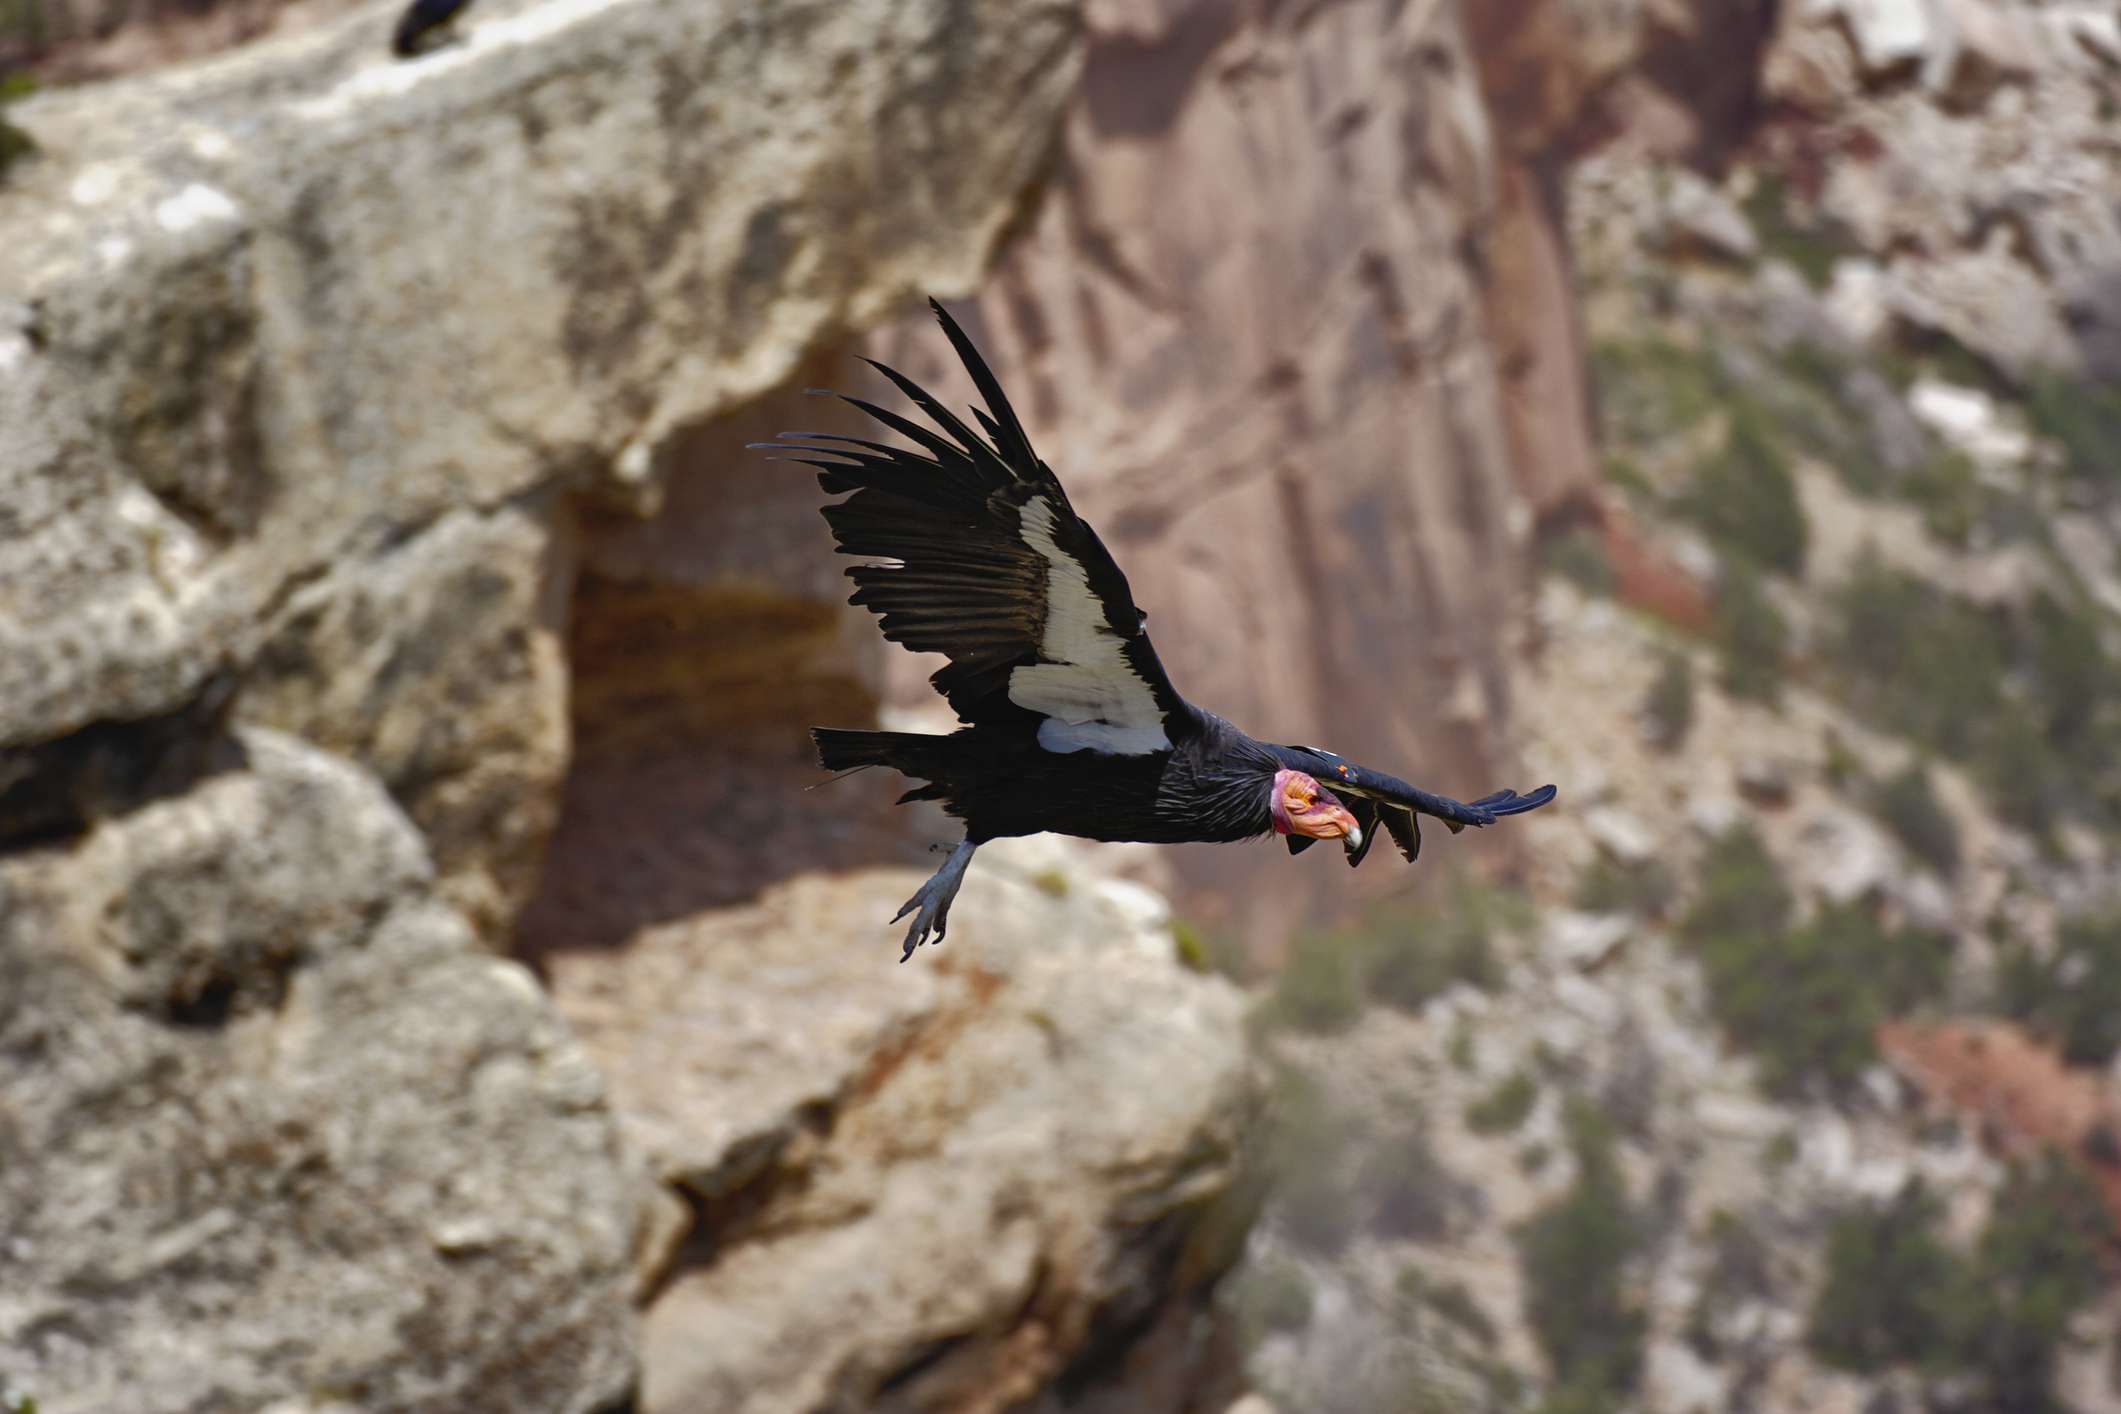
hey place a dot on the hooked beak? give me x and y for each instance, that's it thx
(1333, 821)
(1303, 807)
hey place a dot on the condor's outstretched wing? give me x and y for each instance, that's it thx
(1375, 797)
(973, 551)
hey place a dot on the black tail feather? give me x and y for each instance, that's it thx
(839, 749)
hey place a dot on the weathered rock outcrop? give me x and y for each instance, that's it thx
(276, 1127)
(931, 1194)
(308, 360)
(1975, 139)
(306, 341)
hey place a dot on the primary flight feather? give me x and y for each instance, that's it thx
(971, 549)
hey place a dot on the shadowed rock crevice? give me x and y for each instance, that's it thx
(261, 404)
(70, 41)
(51, 791)
(703, 642)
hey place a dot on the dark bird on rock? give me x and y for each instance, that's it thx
(971, 550)
(422, 24)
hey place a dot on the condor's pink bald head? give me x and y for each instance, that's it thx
(1301, 806)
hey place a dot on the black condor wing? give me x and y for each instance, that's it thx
(972, 550)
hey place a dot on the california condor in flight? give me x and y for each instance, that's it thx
(971, 549)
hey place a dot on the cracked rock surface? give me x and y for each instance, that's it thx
(302, 344)
(276, 1125)
(928, 1186)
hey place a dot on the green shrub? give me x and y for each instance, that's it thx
(1273, 1296)
(2026, 699)
(1396, 955)
(2084, 418)
(1808, 1002)
(1752, 642)
(2038, 1263)
(2073, 996)
(1450, 1300)
(1306, 1154)
(1412, 955)
(1743, 893)
(1505, 1107)
(1805, 1000)
(1822, 370)
(1319, 991)
(1948, 492)
(1916, 660)
(1406, 1191)
(1211, 951)
(1579, 556)
(2021, 773)
(1745, 496)
(1891, 1287)
(1459, 1050)
(1649, 388)
(1996, 1317)
(1816, 410)
(1399, 955)
(1811, 244)
(14, 143)
(1627, 474)
(2072, 676)
(1843, 768)
(1741, 1271)
(1668, 707)
(1575, 1256)
(1190, 945)
(1608, 886)
(1912, 812)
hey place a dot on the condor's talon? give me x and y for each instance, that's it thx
(933, 900)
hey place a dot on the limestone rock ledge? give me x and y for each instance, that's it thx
(922, 1186)
(277, 1130)
(300, 347)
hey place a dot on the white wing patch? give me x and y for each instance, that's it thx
(1086, 689)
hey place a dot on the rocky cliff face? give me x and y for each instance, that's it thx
(315, 368)
(1780, 1090)
(1696, 405)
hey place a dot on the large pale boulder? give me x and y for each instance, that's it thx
(278, 1130)
(919, 1186)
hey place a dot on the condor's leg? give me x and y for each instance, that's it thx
(933, 899)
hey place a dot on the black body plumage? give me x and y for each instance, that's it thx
(420, 22)
(970, 548)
